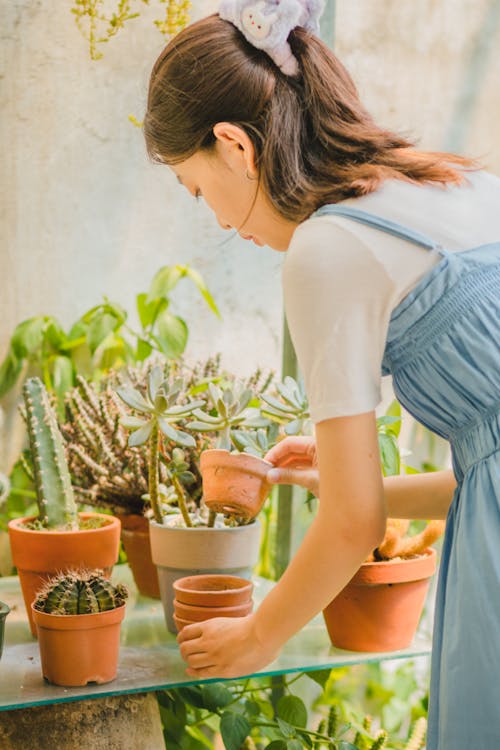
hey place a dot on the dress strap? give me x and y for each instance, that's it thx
(377, 222)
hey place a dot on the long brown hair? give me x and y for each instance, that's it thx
(314, 141)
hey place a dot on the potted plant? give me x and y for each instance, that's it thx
(78, 616)
(190, 540)
(59, 538)
(234, 482)
(380, 607)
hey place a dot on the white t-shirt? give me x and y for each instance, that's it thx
(342, 280)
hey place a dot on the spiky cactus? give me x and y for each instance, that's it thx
(83, 592)
(56, 501)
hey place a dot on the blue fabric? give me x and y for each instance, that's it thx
(443, 351)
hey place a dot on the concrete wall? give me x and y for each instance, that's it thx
(83, 213)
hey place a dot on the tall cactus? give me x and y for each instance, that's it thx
(56, 502)
(84, 592)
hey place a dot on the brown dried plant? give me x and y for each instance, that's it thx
(397, 545)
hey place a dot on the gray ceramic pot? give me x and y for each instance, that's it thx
(179, 552)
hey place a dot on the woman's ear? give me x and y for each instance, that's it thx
(235, 144)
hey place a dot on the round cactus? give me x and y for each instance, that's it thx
(80, 593)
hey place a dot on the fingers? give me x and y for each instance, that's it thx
(189, 632)
(308, 478)
(303, 448)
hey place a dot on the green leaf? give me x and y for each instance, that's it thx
(389, 454)
(294, 745)
(140, 436)
(291, 709)
(62, 379)
(155, 379)
(143, 350)
(177, 436)
(54, 335)
(99, 328)
(343, 745)
(134, 399)
(191, 695)
(27, 337)
(171, 334)
(394, 410)
(276, 745)
(197, 278)
(146, 311)
(234, 729)
(252, 708)
(164, 281)
(216, 696)
(320, 676)
(111, 353)
(132, 423)
(10, 369)
(286, 729)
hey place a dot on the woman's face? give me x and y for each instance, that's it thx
(221, 179)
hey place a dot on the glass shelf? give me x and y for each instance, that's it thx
(149, 655)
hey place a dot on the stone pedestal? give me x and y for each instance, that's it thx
(122, 722)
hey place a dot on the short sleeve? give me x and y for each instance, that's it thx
(338, 302)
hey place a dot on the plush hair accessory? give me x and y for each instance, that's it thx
(267, 24)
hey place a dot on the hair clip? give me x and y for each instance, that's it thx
(267, 24)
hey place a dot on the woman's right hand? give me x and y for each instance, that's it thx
(295, 462)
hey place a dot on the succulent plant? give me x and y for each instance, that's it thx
(256, 442)
(83, 592)
(291, 410)
(55, 497)
(162, 407)
(230, 409)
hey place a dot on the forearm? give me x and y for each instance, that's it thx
(426, 496)
(323, 565)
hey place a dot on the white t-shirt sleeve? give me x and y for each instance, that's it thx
(338, 303)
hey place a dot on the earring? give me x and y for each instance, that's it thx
(250, 178)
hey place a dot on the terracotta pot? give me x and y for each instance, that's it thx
(179, 552)
(214, 590)
(135, 538)
(380, 607)
(197, 613)
(78, 649)
(180, 623)
(234, 483)
(38, 555)
(4, 611)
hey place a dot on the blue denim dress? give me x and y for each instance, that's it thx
(443, 352)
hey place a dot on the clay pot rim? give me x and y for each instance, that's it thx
(397, 571)
(52, 621)
(213, 455)
(16, 525)
(244, 584)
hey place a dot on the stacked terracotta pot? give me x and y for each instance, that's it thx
(203, 597)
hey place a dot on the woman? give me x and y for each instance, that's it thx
(392, 265)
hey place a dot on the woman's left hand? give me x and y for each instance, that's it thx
(224, 647)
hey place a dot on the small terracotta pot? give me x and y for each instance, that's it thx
(135, 538)
(39, 555)
(180, 623)
(213, 590)
(4, 611)
(78, 649)
(380, 607)
(234, 483)
(196, 613)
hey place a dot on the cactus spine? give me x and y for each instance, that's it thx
(56, 502)
(80, 593)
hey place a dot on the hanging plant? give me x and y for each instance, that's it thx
(98, 24)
